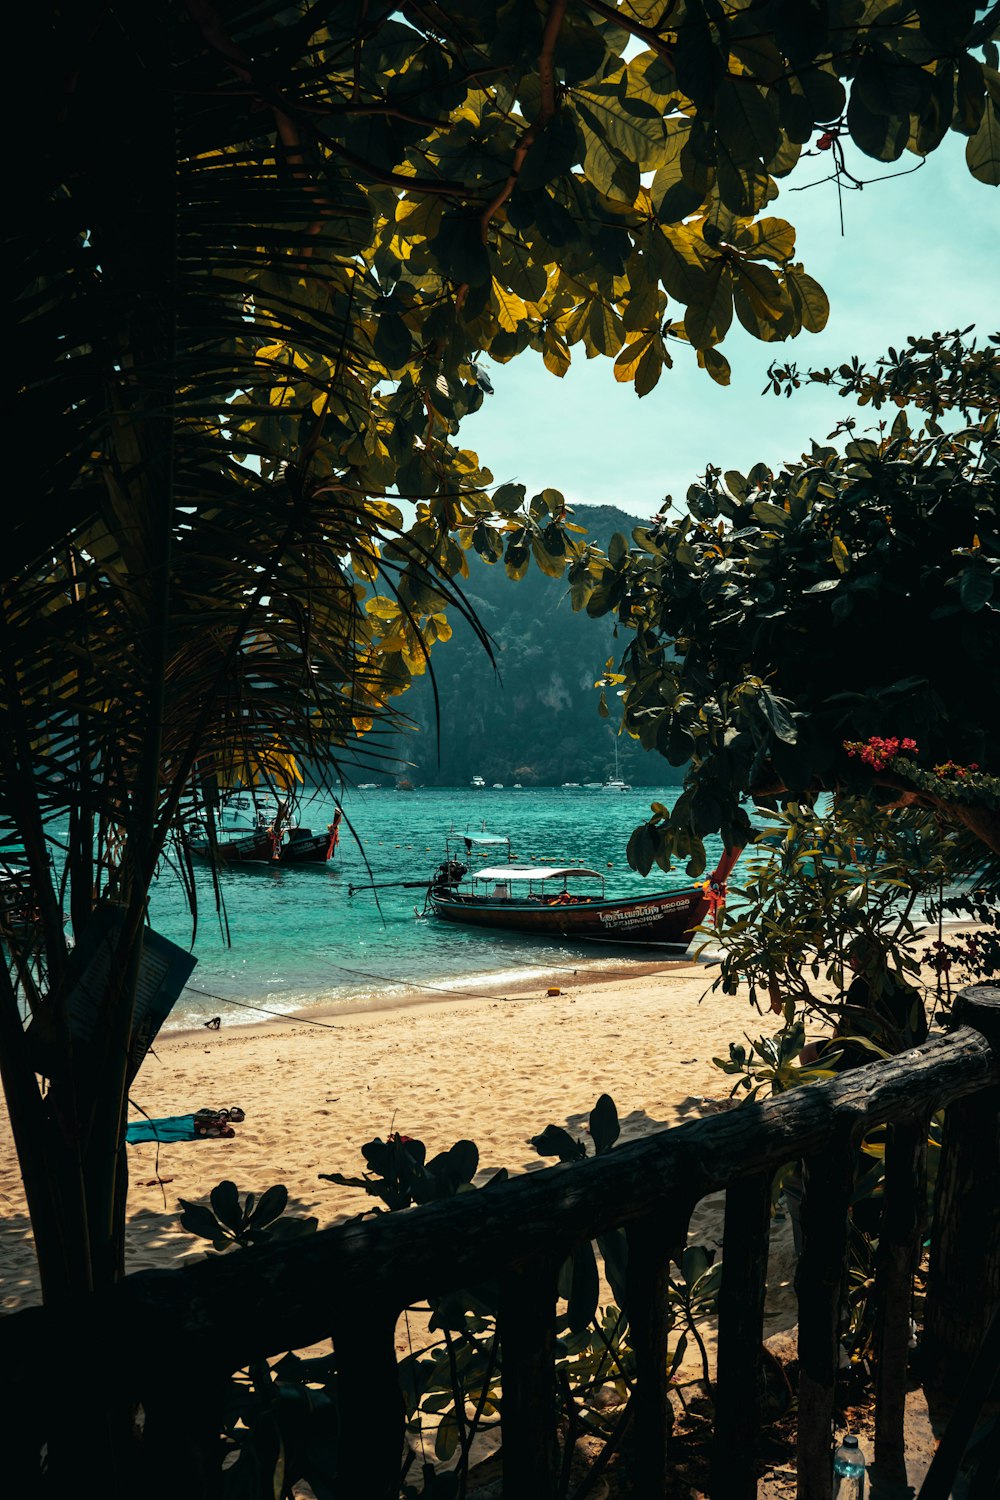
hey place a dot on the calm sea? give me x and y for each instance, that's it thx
(298, 940)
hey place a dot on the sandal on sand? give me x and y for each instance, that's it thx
(213, 1129)
(236, 1114)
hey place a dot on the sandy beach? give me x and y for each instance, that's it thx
(495, 1071)
(490, 1069)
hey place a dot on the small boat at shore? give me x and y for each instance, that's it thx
(263, 837)
(536, 899)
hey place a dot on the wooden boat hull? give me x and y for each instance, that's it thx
(663, 920)
(254, 848)
(305, 848)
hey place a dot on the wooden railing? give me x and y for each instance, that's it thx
(171, 1338)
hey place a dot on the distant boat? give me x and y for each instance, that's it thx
(570, 784)
(498, 786)
(593, 786)
(518, 787)
(404, 785)
(614, 783)
(477, 782)
(369, 786)
(536, 899)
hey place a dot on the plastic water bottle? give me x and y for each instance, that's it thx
(849, 1470)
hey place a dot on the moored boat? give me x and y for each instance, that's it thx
(301, 846)
(536, 899)
(263, 837)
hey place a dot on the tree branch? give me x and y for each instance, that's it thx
(984, 822)
(636, 28)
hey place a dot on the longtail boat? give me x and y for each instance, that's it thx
(537, 899)
(264, 838)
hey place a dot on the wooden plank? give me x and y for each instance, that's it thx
(370, 1402)
(963, 1288)
(900, 1235)
(528, 1413)
(828, 1179)
(980, 1387)
(739, 1383)
(651, 1244)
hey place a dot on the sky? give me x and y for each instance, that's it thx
(920, 253)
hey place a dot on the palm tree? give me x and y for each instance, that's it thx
(184, 596)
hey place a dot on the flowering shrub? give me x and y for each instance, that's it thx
(877, 752)
(950, 768)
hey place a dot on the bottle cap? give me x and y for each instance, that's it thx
(850, 1441)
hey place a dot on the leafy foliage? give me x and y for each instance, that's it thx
(818, 885)
(401, 1175)
(227, 1222)
(783, 617)
(971, 955)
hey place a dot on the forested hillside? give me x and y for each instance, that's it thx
(533, 718)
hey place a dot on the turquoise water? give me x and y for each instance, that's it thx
(299, 941)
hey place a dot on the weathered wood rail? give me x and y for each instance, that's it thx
(170, 1338)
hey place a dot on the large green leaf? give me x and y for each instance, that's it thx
(631, 127)
(747, 122)
(982, 151)
(811, 304)
(879, 134)
(681, 183)
(555, 149)
(707, 320)
(681, 265)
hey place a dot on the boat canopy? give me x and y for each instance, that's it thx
(534, 872)
(482, 838)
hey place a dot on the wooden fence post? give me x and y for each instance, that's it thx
(370, 1406)
(526, 1325)
(741, 1331)
(963, 1288)
(900, 1234)
(652, 1242)
(829, 1180)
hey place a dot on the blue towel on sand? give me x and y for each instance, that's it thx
(174, 1128)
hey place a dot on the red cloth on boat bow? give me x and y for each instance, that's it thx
(715, 896)
(334, 829)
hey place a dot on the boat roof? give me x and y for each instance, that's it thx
(482, 838)
(533, 872)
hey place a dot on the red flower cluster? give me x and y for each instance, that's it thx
(878, 752)
(949, 768)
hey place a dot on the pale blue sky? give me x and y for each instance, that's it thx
(920, 252)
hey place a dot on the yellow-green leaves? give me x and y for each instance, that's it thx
(707, 320)
(641, 361)
(766, 239)
(555, 355)
(811, 304)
